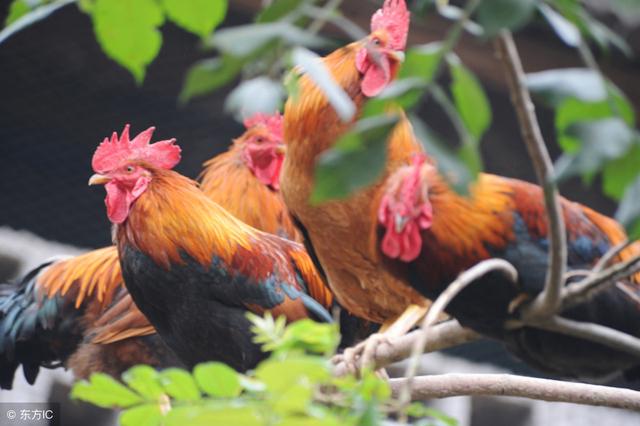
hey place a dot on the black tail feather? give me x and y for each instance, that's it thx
(29, 329)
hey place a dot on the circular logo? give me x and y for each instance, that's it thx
(11, 414)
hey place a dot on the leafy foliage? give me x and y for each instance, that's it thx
(293, 386)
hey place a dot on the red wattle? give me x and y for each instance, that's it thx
(376, 77)
(116, 202)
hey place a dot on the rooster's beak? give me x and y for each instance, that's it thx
(281, 149)
(398, 55)
(98, 179)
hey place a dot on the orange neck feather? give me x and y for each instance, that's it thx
(174, 216)
(310, 112)
(461, 222)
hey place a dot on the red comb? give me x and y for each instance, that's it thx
(272, 122)
(394, 17)
(113, 153)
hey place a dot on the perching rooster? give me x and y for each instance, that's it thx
(435, 234)
(408, 231)
(191, 267)
(76, 311)
(343, 234)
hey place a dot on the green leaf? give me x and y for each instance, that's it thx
(318, 72)
(628, 213)
(470, 100)
(628, 11)
(252, 385)
(279, 375)
(142, 415)
(421, 61)
(554, 86)
(30, 18)
(208, 75)
(495, 15)
(243, 40)
(145, 380)
(565, 29)
(605, 37)
(292, 85)
(179, 384)
(601, 141)
(217, 379)
(573, 110)
(310, 336)
(212, 415)
(128, 32)
(355, 161)
(104, 391)
(292, 399)
(449, 164)
(18, 9)
(260, 94)
(618, 174)
(278, 9)
(404, 94)
(197, 16)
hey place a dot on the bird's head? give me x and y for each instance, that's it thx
(405, 210)
(378, 60)
(126, 167)
(263, 147)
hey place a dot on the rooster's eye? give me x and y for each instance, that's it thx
(259, 139)
(129, 169)
(376, 41)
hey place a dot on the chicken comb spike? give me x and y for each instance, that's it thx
(394, 17)
(274, 123)
(115, 152)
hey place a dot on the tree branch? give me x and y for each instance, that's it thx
(440, 336)
(446, 385)
(440, 304)
(590, 331)
(574, 294)
(548, 302)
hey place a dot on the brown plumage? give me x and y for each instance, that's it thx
(343, 233)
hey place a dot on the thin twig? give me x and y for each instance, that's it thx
(548, 301)
(440, 336)
(609, 255)
(447, 385)
(590, 331)
(439, 305)
(574, 294)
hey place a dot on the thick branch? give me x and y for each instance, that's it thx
(440, 336)
(548, 302)
(446, 385)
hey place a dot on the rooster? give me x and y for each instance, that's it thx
(191, 267)
(76, 311)
(363, 69)
(413, 235)
(442, 233)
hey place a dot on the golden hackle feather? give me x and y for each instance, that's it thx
(188, 222)
(91, 276)
(315, 284)
(121, 321)
(228, 181)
